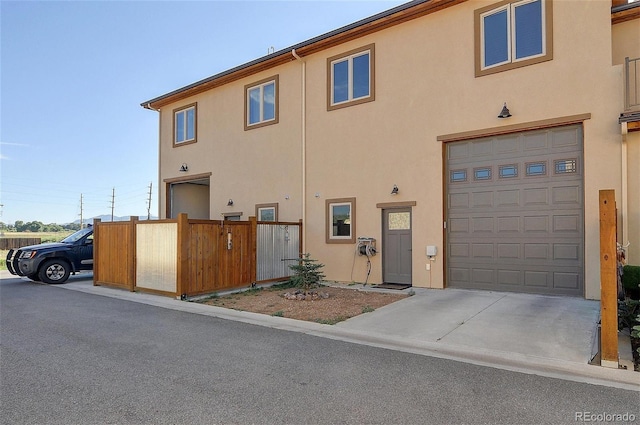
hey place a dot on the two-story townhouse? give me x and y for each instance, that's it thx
(469, 139)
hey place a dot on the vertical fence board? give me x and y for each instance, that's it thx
(608, 280)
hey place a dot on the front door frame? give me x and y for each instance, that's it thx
(391, 207)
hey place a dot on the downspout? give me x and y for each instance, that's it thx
(303, 142)
(148, 106)
(625, 222)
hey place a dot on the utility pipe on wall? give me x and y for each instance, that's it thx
(303, 142)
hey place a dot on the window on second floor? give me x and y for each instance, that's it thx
(351, 78)
(184, 125)
(261, 106)
(512, 34)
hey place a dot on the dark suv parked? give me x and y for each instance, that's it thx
(54, 262)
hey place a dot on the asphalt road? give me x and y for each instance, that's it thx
(68, 357)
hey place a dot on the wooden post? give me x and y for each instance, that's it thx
(253, 241)
(182, 267)
(133, 260)
(96, 264)
(608, 281)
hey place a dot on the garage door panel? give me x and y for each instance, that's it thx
(523, 233)
(482, 199)
(507, 224)
(570, 137)
(482, 250)
(535, 143)
(508, 198)
(536, 224)
(509, 251)
(567, 223)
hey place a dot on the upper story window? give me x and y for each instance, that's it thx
(511, 34)
(184, 125)
(261, 107)
(351, 78)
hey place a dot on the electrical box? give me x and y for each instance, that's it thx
(432, 251)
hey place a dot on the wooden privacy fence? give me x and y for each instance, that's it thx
(15, 243)
(182, 257)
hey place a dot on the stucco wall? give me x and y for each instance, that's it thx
(425, 87)
(251, 167)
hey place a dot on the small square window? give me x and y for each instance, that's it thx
(483, 173)
(261, 107)
(564, 166)
(351, 78)
(457, 176)
(536, 168)
(184, 125)
(341, 223)
(508, 171)
(267, 212)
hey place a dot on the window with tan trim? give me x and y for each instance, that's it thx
(185, 125)
(267, 212)
(512, 34)
(341, 220)
(261, 103)
(351, 78)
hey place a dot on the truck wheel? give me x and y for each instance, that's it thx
(55, 271)
(33, 276)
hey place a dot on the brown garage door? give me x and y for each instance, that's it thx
(515, 212)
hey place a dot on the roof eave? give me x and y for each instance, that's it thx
(375, 23)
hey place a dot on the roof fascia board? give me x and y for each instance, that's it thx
(383, 20)
(625, 12)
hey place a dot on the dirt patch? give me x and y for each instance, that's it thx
(341, 303)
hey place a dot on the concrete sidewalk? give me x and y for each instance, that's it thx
(542, 335)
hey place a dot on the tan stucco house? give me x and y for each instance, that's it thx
(466, 141)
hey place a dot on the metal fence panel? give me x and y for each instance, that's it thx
(278, 246)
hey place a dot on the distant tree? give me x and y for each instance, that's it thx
(34, 226)
(19, 225)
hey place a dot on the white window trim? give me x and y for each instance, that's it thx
(273, 208)
(331, 238)
(349, 57)
(512, 62)
(184, 111)
(261, 85)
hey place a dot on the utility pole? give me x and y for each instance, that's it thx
(81, 211)
(113, 201)
(1, 224)
(149, 202)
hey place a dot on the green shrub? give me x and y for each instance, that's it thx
(308, 273)
(631, 281)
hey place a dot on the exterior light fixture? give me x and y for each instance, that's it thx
(184, 168)
(395, 190)
(505, 112)
(230, 203)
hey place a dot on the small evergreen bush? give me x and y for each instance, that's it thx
(308, 273)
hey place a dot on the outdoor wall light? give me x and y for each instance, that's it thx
(184, 168)
(505, 112)
(395, 190)
(230, 203)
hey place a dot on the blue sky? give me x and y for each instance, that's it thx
(73, 75)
